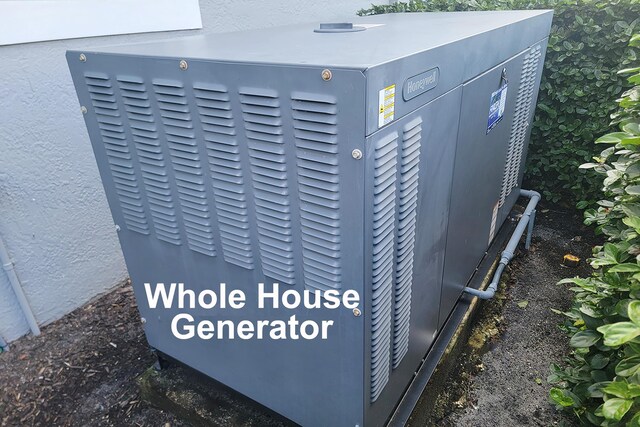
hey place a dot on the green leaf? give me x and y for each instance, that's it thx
(584, 339)
(633, 310)
(632, 128)
(622, 389)
(614, 409)
(595, 389)
(611, 138)
(630, 140)
(559, 397)
(523, 304)
(599, 361)
(628, 367)
(625, 268)
(633, 189)
(616, 334)
(629, 70)
(633, 222)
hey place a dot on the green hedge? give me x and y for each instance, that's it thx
(588, 44)
(600, 381)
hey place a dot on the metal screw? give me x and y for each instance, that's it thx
(83, 57)
(356, 154)
(326, 75)
(183, 65)
(117, 227)
(143, 320)
(357, 312)
(83, 109)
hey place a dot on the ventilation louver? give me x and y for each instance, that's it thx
(220, 139)
(316, 136)
(113, 137)
(187, 168)
(384, 209)
(263, 129)
(524, 104)
(407, 207)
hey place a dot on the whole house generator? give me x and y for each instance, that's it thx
(373, 161)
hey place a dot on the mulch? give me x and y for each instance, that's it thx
(81, 371)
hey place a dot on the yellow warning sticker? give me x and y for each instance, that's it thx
(386, 105)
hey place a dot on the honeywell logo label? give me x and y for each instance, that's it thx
(421, 83)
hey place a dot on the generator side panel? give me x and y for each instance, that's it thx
(528, 89)
(409, 168)
(239, 174)
(496, 112)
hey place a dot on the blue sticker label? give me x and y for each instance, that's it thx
(496, 107)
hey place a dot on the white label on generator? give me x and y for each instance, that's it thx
(386, 105)
(494, 219)
(496, 107)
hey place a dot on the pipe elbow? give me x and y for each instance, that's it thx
(530, 194)
(486, 294)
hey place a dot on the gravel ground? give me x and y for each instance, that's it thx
(509, 387)
(82, 370)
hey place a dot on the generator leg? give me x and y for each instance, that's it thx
(161, 363)
(532, 220)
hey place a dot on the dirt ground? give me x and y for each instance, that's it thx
(82, 370)
(502, 382)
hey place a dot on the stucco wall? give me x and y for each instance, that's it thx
(54, 217)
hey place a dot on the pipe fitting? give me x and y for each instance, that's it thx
(525, 223)
(7, 264)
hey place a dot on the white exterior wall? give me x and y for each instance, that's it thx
(54, 217)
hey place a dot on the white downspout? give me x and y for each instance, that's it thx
(7, 264)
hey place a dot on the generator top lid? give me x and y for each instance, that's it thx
(361, 44)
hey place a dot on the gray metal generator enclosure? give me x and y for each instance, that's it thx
(240, 165)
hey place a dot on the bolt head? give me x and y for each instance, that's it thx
(83, 57)
(143, 320)
(326, 75)
(357, 312)
(183, 65)
(83, 109)
(117, 227)
(356, 154)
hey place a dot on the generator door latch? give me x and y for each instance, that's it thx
(503, 78)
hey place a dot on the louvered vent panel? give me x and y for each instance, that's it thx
(384, 211)
(103, 100)
(316, 136)
(153, 166)
(214, 112)
(178, 129)
(407, 206)
(263, 129)
(524, 103)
